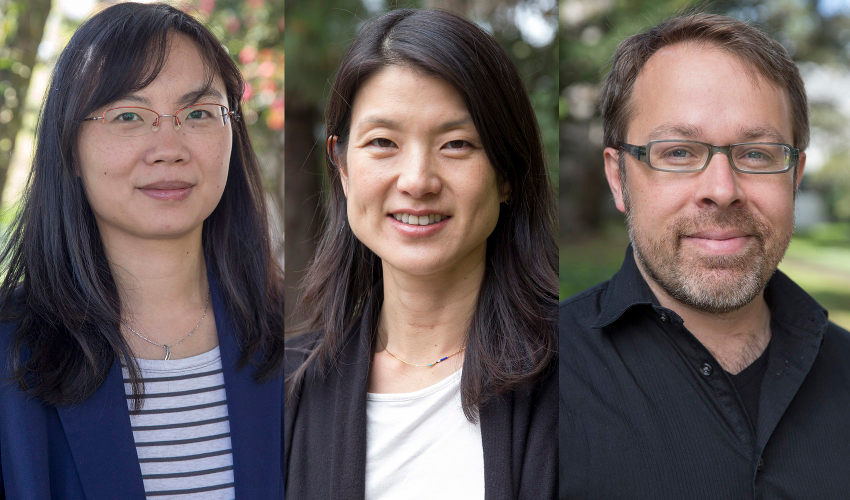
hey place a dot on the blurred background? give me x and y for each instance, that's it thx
(34, 32)
(817, 35)
(316, 40)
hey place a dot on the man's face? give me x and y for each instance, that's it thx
(709, 239)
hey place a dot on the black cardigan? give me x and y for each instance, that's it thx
(325, 428)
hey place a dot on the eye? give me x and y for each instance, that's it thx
(382, 143)
(127, 116)
(678, 153)
(198, 114)
(459, 144)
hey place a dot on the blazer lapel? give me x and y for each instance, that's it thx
(101, 441)
(256, 415)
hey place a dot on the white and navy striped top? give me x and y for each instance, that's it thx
(182, 432)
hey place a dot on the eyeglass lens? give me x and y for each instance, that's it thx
(132, 121)
(754, 157)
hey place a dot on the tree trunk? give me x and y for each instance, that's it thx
(303, 192)
(17, 58)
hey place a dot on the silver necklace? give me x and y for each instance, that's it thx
(168, 347)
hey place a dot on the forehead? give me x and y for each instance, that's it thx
(184, 77)
(703, 88)
(408, 97)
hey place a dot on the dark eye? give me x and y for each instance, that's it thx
(459, 144)
(679, 153)
(198, 114)
(382, 143)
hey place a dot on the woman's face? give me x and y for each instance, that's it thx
(420, 190)
(165, 183)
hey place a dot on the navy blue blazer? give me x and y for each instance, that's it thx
(88, 452)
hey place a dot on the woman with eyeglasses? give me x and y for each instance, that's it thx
(143, 329)
(428, 366)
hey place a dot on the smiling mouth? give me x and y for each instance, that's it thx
(421, 220)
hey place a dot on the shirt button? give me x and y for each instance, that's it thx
(706, 369)
(761, 463)
(663, 318)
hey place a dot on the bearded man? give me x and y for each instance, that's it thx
(699, 370)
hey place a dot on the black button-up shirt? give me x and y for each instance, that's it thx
(647, 412)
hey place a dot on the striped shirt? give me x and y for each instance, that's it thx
(182, 432)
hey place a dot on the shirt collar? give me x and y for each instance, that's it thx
(626, 289)
(789, 304)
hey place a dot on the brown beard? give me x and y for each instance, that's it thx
(713, 284)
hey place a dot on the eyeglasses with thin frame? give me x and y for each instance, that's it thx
(132, 121)
(683, 156)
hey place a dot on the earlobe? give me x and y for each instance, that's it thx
(506, 193)
(331, 149)
(612, 173)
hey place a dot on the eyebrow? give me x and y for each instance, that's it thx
(669, 131)
(675, 131)
(386, 122)
(770, 133)
(186, 99)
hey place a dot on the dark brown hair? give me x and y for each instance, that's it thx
(765, 55)
(512, 339)
(58, 284)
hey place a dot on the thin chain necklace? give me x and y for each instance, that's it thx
(424, 366)
(168, 347)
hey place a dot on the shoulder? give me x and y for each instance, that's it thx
(298, 348)
(579, 312)
(836, 341)
(7, 335)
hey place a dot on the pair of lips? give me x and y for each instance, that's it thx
(720, 241)
(419, 220)
(172, 191)
(167, 185)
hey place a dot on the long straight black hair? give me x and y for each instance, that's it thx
(512, 339)
(58, 284)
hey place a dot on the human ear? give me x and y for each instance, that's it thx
(340, 165)
(612, 173)
(505, 192)
(801, 165)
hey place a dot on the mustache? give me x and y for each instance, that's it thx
(738, 218)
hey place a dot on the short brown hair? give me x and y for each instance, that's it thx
(738, 38)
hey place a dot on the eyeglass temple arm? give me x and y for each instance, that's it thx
(638, 152)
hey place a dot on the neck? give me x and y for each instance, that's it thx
(424, 318)
(163, 288)
(736, 338)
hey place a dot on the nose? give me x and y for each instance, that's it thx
(418, 174)
(719, 185)
(166, 143)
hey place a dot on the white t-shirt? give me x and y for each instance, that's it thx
(419, 445)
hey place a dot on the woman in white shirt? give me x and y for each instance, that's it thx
(430, 367)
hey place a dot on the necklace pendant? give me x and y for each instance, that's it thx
(167, 352)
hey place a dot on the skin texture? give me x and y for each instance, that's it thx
(413, 147)
(708, 242)
(114, 169)
(154, 245)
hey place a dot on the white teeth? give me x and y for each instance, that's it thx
(419, 220)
